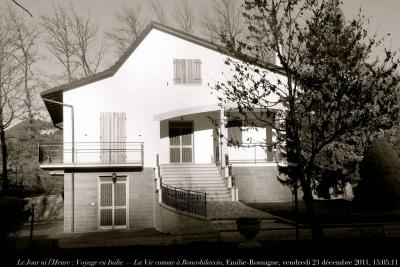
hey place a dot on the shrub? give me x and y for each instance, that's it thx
(379, 186)
(14, 214)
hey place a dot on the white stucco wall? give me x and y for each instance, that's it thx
(143, 88)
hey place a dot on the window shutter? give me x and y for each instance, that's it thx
(113, 136)
(187, 71)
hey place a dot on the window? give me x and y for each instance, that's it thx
(187, 71)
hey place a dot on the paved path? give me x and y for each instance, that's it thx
(233, 210)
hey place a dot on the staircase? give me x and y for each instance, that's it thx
(204, 178)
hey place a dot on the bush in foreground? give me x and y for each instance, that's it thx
(14, 214)
(379, 186)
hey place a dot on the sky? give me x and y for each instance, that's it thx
(383, 14)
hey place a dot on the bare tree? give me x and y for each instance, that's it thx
(85, 37)
(73, 39)
(10, 96)
(225, 22)
(184, 16)
(60, 39)
(129, 26)
(159, 11)
(26, 36)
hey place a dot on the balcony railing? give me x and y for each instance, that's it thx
(184, 200)
(92, 153)
(251, 153)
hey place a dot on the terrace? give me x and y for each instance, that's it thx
(91, 155)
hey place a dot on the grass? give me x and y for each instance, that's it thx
(337, 211)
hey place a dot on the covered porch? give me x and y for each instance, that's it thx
(204, 135)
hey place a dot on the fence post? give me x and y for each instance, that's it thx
(32, 220)
(188, 194)
(205, 204)
(176, 200)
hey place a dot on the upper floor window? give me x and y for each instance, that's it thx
(187, 71)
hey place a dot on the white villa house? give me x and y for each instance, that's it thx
(140, 145)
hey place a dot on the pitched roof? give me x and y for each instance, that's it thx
(56, 93)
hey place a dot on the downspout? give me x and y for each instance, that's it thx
(73, 157)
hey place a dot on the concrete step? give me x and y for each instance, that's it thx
(209, 183)
(198, 186)
(193, 180)
(206, 189)
(188, 179)
(203, 172)
(204, 178)
(186, 175)
(185, 165)
(215, 199)
(191, 167)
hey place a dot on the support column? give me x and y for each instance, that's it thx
(223, 131)
(270, 153)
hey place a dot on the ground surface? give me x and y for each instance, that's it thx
(330, 212)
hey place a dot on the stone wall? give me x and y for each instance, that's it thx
(260, 184)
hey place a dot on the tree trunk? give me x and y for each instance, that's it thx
(5, 155)
(316, 229)
(28, 99)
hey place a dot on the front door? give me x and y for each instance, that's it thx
(181, 142)
(113, 206)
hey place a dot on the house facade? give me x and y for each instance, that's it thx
(149, 123)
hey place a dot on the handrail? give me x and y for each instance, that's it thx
(252, 153)
(92, 152)
(184, 200)
(183, 189)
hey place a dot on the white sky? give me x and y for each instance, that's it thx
(383, 14)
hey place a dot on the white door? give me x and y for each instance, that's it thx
(113, 207)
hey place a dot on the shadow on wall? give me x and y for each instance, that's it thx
(47, 208)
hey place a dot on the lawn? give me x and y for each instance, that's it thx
(336, 211)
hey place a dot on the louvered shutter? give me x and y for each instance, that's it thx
(113, 137)
(187, 71)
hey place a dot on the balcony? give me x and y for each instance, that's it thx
(252, 153)
(91, 155)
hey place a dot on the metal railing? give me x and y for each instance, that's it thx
(251, 153)
(184, 200)
(91, 153)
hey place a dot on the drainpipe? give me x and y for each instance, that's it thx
(73, 157)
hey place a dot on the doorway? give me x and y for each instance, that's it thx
(181, 142)
(113, 199)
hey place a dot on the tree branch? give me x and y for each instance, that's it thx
(26, 10)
